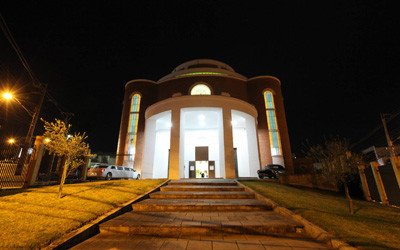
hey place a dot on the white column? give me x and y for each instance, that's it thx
(173, 172)
(149, 147)
(228, 144)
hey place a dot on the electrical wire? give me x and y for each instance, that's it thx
(16, 48)
(392, 116)
(25, 63)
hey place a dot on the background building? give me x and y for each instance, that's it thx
(203, 120)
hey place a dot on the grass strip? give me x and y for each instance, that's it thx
(373, 226)
(33, 217)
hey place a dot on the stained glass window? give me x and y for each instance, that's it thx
(132, 128)
(275, 140)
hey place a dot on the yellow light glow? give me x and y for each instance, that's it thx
(46, 140)
(7, 96)
(11, 141)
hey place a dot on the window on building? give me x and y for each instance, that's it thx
(132, 127)
(200, 89)
(274, 137)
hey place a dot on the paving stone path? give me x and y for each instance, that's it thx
(201, 214)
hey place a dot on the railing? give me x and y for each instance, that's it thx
(9, 159)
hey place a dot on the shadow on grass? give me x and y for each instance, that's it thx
(6, 192)
(48, 207)
(41, 214)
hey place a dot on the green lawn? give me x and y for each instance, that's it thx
(373, 226)
(33, 217)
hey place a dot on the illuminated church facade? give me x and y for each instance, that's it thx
(203, 120)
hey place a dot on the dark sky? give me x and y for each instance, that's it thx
(338, 60)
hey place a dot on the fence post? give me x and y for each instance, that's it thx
(364, 183)
(379, 183)
(34, 165)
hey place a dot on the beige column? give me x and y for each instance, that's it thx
(173, 171)
(34, 164)
(396, 168)
(379, 183)
(228, 144)
(364, 183)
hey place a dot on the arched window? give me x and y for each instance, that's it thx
(274, 137)
(132, 127)
(200, 89)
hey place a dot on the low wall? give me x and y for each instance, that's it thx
(307, 180)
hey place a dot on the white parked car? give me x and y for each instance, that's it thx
(109, 172)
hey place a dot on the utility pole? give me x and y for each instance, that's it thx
(393, 158)
(28, 138)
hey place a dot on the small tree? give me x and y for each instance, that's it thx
(62, 144)
(338, 164)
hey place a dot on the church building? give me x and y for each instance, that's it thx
(203, 120)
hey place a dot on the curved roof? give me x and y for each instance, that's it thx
(202, 67)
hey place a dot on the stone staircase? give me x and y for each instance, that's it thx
(201, 207)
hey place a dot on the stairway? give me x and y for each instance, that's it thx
(201, 207)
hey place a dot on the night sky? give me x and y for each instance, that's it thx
(338, 61)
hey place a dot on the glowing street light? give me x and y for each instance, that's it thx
(11, 141)
(46, 140)
(7, 96)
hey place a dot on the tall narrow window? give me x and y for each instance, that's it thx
(132, 127)
(275, 140)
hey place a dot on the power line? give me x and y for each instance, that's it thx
(17, 50)
(391, 117)
(25, 63)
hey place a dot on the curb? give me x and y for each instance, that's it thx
(312, 230)
(92, 228)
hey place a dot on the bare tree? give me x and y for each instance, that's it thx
(337, 162)
(61, 143)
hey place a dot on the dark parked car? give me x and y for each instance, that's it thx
(271, 171)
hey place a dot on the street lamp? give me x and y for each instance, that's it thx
(7, 95)
(28, 139)
(11, 140)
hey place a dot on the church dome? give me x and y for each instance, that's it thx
(202, 67)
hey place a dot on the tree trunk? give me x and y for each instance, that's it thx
(351, 210)
(63, 177)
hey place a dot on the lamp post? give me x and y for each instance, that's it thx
(28, 138)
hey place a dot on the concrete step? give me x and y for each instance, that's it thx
(201, 195)
(192, 223)
(192, 188)
(203, 182)
(167, 205)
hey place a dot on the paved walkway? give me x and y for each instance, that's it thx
(200, 214)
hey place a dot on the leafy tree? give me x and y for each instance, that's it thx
(61, 143)
(338, 164)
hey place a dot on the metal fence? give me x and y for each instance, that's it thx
(382, 185)
(13, 167)
(390, 184)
